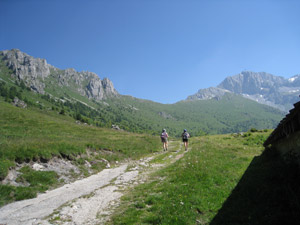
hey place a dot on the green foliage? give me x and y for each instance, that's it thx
(9, 93)
(4, 167)
(10, 194)
(22, 85)
(253, 130)
(255, 140)
(3, 89)
(12, 92)
(78, 116)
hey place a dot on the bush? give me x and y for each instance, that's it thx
(62, 112)
(253, 130)
(78, 117)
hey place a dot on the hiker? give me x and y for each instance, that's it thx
(164, 139)
(185, 138)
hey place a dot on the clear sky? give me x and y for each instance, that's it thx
(161, 50)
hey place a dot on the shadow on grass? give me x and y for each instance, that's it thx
(268, 193)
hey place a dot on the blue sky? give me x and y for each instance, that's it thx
(160, 50)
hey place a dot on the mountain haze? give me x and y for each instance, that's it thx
(262, 87)
(88, 99)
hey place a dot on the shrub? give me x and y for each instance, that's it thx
(62, 112)
(253, 130)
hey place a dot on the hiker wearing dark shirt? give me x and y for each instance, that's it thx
(164, 139)
(185, 138)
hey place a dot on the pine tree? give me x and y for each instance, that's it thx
(22, 85)
(12, 92)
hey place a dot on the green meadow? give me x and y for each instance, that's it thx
(34, 135)
(223, 179)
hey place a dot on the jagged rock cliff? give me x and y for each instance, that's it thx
(38, 74)
(262, 87)
(250, 83)
(32, 71)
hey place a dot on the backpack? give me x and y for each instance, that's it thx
(163, 135)
(185, 135)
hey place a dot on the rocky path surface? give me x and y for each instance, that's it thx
(87, 201)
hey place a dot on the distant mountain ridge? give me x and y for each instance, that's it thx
(41, 77)
(38, 75)
(262, 87)
(84, 97)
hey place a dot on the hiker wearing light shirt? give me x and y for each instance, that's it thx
(164, 139)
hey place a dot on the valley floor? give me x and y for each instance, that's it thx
(90, 200)
(222, 179)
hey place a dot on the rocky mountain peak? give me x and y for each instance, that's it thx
(98, 89)
(261, 87)
(109, 87)
(27, 68)
(37, 73)
(208, 93)
(294, 81)
(248, 82)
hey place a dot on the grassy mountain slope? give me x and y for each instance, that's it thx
(34, 134)
(231, 113)
(48, 133)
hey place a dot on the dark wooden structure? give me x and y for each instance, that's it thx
(290, 124)
(286, 137)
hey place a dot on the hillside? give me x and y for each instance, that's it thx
(84, 97)
(32, 135)
(231, 113)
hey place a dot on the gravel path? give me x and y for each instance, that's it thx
(86, 201)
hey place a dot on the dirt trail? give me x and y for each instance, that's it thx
(87, 201)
